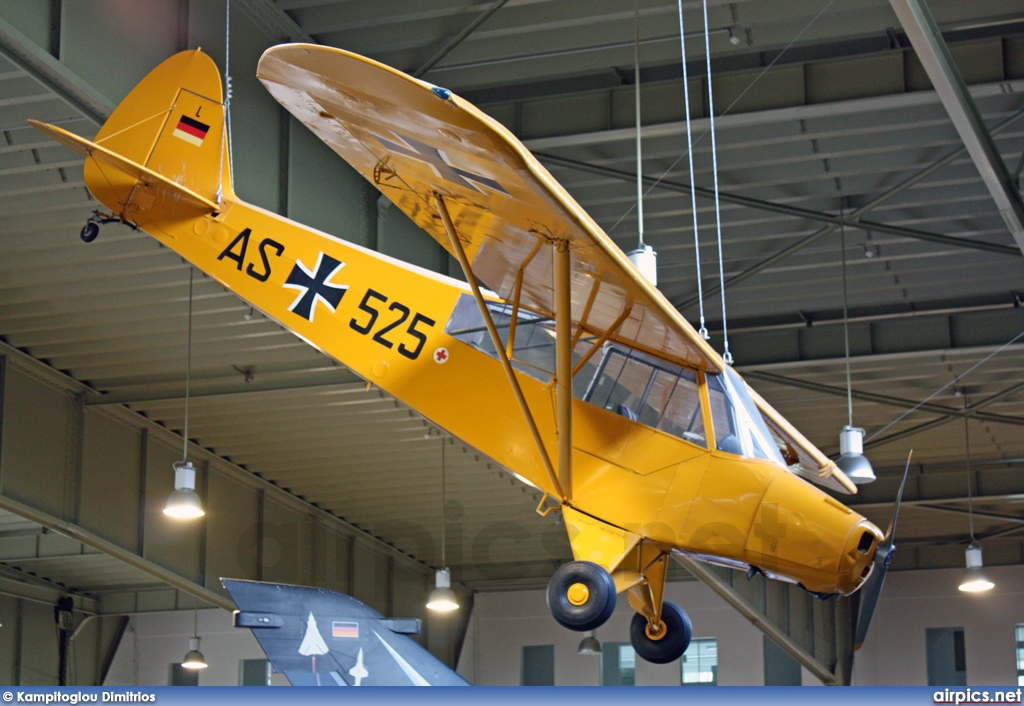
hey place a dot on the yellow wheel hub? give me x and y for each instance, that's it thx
(578, 594)
(655, 633)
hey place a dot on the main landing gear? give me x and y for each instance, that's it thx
(666, 644)
(582, 595)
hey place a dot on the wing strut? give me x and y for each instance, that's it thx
(563, 364)
(506, 364)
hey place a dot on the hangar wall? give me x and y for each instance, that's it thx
(99, 474)
(96, 479)
(893, 655)
(153, 642)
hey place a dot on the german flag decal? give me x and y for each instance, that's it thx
(191, 130)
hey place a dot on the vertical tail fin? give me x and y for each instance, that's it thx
(171, 123)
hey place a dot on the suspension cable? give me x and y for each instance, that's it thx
(639, 154)
(188, 361)
(444, 519)
(703, 330)
(967, 443)
(726, 355)
(846, 315)
(227, 87)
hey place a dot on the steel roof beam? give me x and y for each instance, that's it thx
(854, 216)
(794, 211)
(274, 21)
(49, 72)
(458, 38)
(238, 387)
(931, 49)
(970, 411)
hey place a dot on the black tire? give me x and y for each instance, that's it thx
(600, 603)
(90, 230)
(672, 645)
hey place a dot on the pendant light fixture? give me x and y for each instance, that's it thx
(974, 580)
(851, 439)
(442, 598)
(184, 502)
(194, 659)
(589, 645)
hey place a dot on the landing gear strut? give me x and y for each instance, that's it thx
(91, 229)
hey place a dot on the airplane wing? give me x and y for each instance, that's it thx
(412, 140)
(318, 637)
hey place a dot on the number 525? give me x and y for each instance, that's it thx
(403, 315)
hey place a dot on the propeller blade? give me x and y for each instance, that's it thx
(884, 554)
(899, 496)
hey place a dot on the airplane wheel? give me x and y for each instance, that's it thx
(90, 231)
(581, 596)
(670, 644)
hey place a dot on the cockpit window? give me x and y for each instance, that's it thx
(647, 390)
(739, 426)
(617, 378)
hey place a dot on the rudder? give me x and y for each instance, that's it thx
(172, 123)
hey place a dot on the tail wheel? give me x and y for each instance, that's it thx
(667, 644)
(90, 231)
(581, 596)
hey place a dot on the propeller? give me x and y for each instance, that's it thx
(883, 557)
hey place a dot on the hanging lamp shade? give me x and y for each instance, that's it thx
(975, 580)
(589, 645)
(184, 502)
(442, 598)
(852, 461)
(646, 260)
(194, 659)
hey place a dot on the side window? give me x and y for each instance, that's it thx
(657, 394)
(627, 382)
(622, 385)
(723, 416)
(681, 415)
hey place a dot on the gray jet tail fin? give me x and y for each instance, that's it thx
(318, 637)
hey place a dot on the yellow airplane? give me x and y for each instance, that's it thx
(573, 371)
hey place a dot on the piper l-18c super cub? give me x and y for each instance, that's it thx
(573, 371)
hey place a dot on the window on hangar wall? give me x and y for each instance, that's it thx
(538, 665)
(618, 664)
(700, 663)
(1020, 655)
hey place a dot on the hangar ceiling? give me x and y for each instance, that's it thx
(823, 112)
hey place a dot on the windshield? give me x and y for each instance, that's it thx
(739, 426)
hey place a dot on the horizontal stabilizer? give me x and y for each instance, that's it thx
(147, 179)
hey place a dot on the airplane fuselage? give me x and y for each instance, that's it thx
(390, 323)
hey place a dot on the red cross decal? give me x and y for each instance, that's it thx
(441, 356)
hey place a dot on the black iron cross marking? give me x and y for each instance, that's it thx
(437, 161)
(315, 286)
